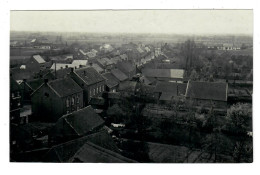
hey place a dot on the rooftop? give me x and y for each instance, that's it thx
(111, 80)
(91, 152)
(65, 151)
(207, 90)
(64, 86)
(82, 121)
(126, 66)
(119, 74)
(164, 73)
(39, 59)
(89, 75)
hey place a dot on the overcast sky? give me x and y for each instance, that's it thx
(136, 21)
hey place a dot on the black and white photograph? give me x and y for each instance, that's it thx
(131, 86)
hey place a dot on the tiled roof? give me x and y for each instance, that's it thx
(82, 121)
(164, 73)
(97, 68)
(105, 61)
(207, 90)
(35, 83)
(39, 59)
(89, 75)
(125, 66)
(171, 87)
(62, 73)
(64, 86)
(129, 86)
(65, 151)
(20, 74)
(116, 59)
(111, 80)
(119, 74)
(92, 153)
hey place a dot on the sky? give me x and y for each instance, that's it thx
(136, 21)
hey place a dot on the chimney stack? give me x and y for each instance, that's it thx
(71, 69)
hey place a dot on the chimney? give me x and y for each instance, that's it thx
(45, 81)
(66, 66)
(71, 69)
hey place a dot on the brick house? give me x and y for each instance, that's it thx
(92, 83)
(56, 98)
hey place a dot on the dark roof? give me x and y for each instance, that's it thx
(105, 61)
(125, 66)
(35, 83)
(97, 68)
(171, 87)
(65, 151)
(111, 80)
(64, 86)
(129, 86)
(61, 73)
(92, 153)
(83, 120)
(147, 88)
(119, 74)
(207, 90)
(167, 96)
(89, 75)
(20, 74)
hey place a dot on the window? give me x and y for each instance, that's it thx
(77, 108)
(68, 102)
(72, 100)
(46, 94)
(18, 104)
(99, 88)
(90, 93)
(103, 87)
(68, 111)
(78, 98)
(18, 94)
(93, 91)
(12, 95)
